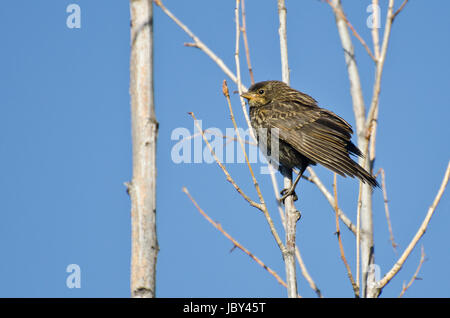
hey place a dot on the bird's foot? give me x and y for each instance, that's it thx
(287, 192)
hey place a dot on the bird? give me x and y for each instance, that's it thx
(307, 134)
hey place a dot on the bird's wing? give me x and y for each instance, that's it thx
(316, 133)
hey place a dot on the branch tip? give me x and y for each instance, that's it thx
(225, 89)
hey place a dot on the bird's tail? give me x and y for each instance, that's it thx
(364, 176)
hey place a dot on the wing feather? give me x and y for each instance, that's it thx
(319, 135)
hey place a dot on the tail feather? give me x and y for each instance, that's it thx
(364, 176)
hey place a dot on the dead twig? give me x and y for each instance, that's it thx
(398, 265)
(255, 182)
(313, 178)
(225, 171)
(236, 243)
(244, 36)
(338, 11)
(386, 210)
(198, 43)
(375, 35)
(372, 116)
(399, 9)
(358, 236)
(341, 247)
(414, 277)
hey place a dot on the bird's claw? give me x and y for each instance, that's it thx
(287, 192)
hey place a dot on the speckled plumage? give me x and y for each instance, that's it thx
(308, 134)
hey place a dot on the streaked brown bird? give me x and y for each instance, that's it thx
(307, 133)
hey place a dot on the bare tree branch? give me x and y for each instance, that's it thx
(338, 11)
(244, 35)
(283, 41)
(414, 277)
(238, 69)
(225, 171)
(341, 247)
(315, 179)
(400, 9)
(358, 237)
(375, 35)
(386, 210)
(261, 206)
(198, 43)
(366, 222)
(291, 213)
(236, 243)
(301, 263)
(255, 182)
(353, 74)
(398, 265)
(373, 111)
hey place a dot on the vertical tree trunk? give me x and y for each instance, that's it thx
(291, 213)
(144, 126)
(366, 244)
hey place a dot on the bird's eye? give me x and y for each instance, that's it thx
(261, 91)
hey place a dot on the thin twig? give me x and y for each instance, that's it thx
(338, 10)
(414, 277)
(255, 182)
(236, 243)
(376, 48)
(198, 43)
(398, 265)
(341, 247)
(244, 36)
(373, 110)
(238, 69)
(283, 41)
(358, 236)
(386, 210)
(313, 178)
(225, 171)
(399, 9)
(375, 34)
(353, 73)
(306, 274)
(370, 288)
(372, 134)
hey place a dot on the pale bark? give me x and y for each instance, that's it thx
(291, 213)
(366, 230)
(142, 188)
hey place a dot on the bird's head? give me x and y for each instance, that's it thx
(262, 93)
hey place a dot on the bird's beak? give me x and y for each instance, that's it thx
(248, 95)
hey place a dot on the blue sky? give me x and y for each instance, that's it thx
(65, 138)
